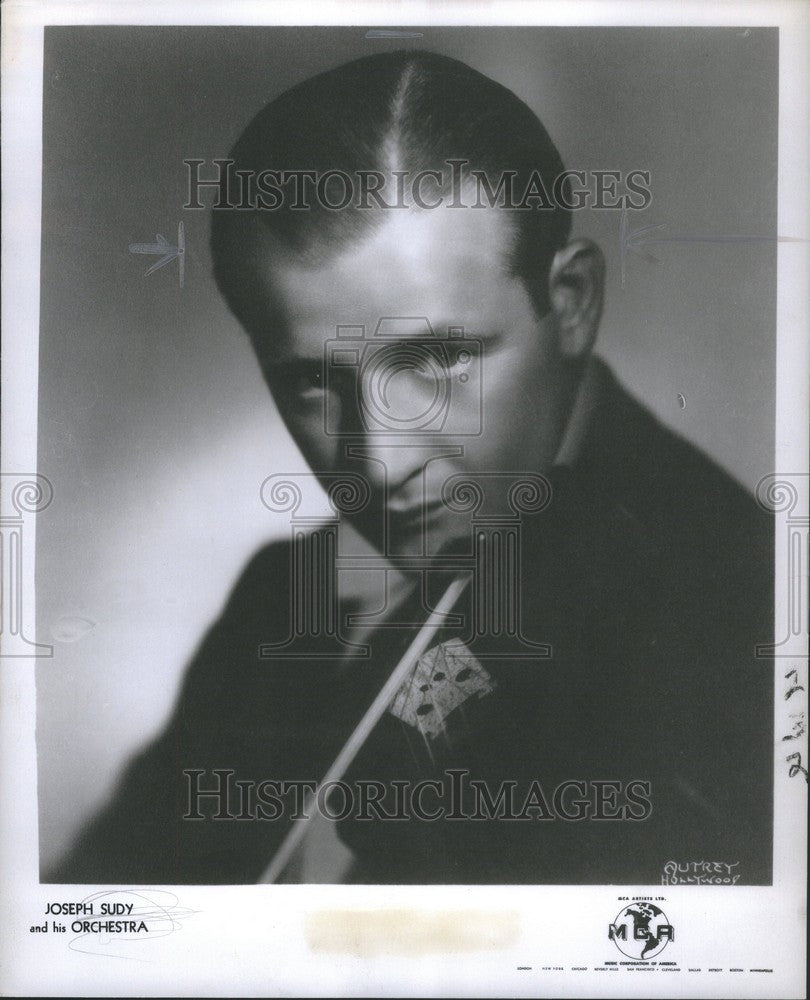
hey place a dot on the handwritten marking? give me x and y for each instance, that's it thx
(633, 241)
(166, 251)
(71, 628)
(799, 727)
(161, 918)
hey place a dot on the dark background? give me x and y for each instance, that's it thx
(154, 425)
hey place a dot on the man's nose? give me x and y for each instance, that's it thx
(395, 402)
(397, 463)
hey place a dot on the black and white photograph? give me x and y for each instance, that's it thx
(416, 512)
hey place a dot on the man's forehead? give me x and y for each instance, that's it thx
(438, 264)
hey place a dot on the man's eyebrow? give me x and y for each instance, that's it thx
(452, 332)
(443, 334)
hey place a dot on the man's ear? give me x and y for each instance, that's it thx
(576, 291)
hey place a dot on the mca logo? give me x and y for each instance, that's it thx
(641, 931)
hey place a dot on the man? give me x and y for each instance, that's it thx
(593, 709)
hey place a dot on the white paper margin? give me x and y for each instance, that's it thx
(251, 940)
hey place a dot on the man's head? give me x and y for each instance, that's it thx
(402, 412)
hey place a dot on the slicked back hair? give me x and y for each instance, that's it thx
(399, 111)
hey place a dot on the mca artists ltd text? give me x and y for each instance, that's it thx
(219, 795)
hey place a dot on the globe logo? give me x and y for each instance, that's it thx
(641, 931)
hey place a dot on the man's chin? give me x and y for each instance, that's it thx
(427, 541)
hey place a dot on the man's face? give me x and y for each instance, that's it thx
(403, 412)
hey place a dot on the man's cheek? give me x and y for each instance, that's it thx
(490, 452)
(320, 452)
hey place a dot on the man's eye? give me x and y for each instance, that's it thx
(304, 381)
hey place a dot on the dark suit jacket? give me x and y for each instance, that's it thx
(650, 575)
